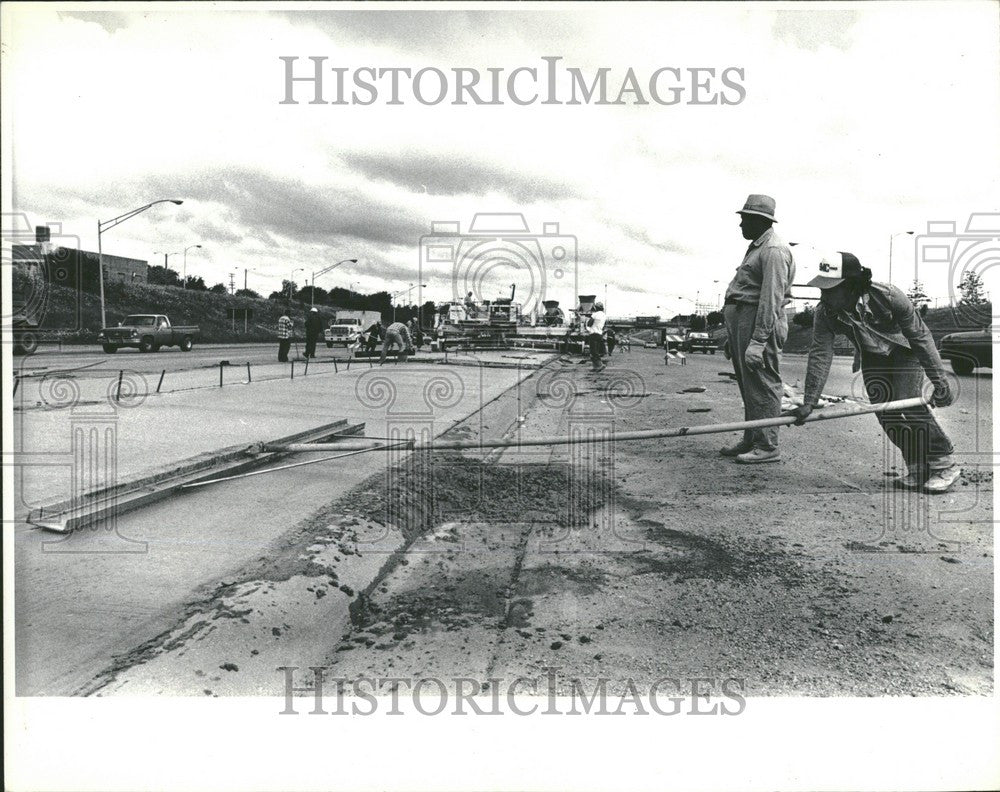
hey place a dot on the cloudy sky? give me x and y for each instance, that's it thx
(863, 121)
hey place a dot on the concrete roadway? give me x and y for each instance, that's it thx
(812, 576)
(83, 598)
(90, 358)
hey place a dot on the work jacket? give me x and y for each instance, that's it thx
(882, 322)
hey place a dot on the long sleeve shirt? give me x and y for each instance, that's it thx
(284, 328)
(764, 279)
(400, 329)
(882, 320)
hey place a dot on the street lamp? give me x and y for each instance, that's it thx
(103, 226)
(290, 284)
(900, 233)
(166, 256)
(393, 298)
(312, 288)
(185, 274)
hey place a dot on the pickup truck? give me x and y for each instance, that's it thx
(147, 333)
(968, 350)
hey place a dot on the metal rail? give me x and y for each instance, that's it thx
(649, 434)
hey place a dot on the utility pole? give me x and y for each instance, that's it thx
(232, 282)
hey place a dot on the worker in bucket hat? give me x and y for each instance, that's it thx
(757, 327)
(893, 349)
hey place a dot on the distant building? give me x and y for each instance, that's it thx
(44, 254)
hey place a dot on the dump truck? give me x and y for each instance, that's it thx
(147, 333)
(347, 327)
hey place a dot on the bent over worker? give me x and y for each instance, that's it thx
(396, 334)
(757, 327)
(893, 349)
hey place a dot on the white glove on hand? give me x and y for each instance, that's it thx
(754, 357)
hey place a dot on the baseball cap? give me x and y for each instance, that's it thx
(834, 268)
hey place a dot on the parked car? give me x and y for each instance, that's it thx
(699, 342)
(147, 333)
(968, 350)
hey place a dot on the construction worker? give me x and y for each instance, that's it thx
(284, 336)
(893, 349)
(375, 334)
(314, 326)
(396, 334)
(757, 327)
(595, 336)
(612, 341)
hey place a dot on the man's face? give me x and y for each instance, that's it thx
(839, 298)
(753, 226)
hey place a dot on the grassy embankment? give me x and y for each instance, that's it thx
(75, 317)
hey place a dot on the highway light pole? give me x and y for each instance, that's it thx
(291, 285)
(184, 277)
(900, 233)
(105, 225)
(312, 288)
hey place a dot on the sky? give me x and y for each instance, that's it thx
(863, 122)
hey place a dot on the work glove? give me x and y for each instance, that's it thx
(754, 357)
(943, 395)
(801, 413)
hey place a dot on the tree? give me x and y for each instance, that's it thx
(804, 318)
(288, 288)
(219, 288)
(247, 293)
(163, 276)
(305, 295)
(917, 295)
(698, 323)
(715, 318)
(971, 288)
(195, 283)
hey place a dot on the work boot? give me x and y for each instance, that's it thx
(735, 450)
(941, 481)
(914, 479)
(757, 455)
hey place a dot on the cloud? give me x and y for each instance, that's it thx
(458, 174)
(292, 209)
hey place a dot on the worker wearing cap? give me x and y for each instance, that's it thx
(893, 349)
(314, 326)
(757, 327)
(396, 334)
(284, 337)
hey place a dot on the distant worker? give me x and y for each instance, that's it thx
(396, 334)
(471, 311)
(757, 327)
(284, 337)
(375, 334)
(314, 327)
(612, 341)
(894, 349)
(595, 336)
